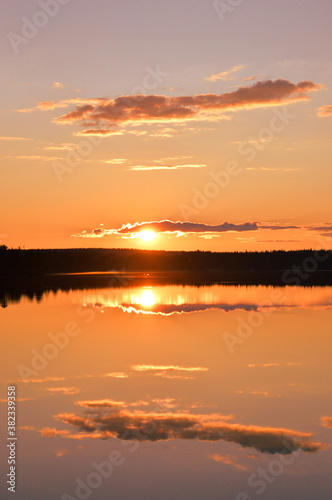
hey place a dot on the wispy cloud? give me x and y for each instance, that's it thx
(165, 167)
(145, 368)
(228, 459)
(326, 422)
(324, 111)
(44, 380)
(272, 365)
(34, 158)
(6, 138)
(103, 403)
(250, 78)
(273, 169)
(58, 85)
(116, 161)
(116, 375)
(63, 390)
(224, 75)
(52, 432)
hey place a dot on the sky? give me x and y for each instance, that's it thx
(166, 125)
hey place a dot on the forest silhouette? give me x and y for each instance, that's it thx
(32, 273)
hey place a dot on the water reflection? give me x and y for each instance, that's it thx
(169, 300)
(154, 379)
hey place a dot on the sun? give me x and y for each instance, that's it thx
(147, 235)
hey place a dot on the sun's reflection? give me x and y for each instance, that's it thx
(174, 299)
(147, 298)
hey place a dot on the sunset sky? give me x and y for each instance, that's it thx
(166, 125)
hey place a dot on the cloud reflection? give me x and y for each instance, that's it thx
(173, 299)
(116, 422)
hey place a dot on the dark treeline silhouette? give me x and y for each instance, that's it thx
(34, 272)
(77, 260)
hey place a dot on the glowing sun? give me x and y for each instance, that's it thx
(147, 298)
(147, 235)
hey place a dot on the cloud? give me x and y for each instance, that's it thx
(51, 105)
(325, 111)
(49, 432)
(272, 365)
(325, 227)
(250, 78)
(6, 138)
(186, 308)
(43, 380)
(170, 371)
(19, 400)
(63, 390)
(167, 226)
(179, 228)
(327, 422)
(61, 147)
(269, 169)
(259, 393)
(165, 167)
(224, 75)
(116, 375)
(227, 460)
(116, 161)
(34, 158)
(158, 426)
(146, 368)
(109, 403)
(60, 453)
(172, 376)
(58, 85)
(103, 403)
(100, 116)
(99, 132)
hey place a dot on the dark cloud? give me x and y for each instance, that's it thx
(105, 113)
(180, 228)
(154, 426)
(167, 226)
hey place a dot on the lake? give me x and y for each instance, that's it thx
(170, 392)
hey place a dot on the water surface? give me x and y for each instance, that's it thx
(195, 389)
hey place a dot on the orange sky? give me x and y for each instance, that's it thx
(106, 129)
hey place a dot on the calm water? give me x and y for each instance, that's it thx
(171, 392)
